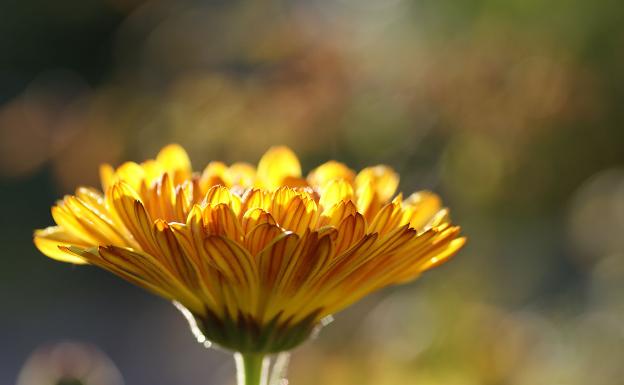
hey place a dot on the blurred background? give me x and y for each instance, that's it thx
(512, 111)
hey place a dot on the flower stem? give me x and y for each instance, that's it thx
(251, 369)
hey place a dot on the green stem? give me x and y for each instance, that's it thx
(251, 369)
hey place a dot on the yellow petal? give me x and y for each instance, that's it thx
(49, 239)
(256, 198)
(384, 181)
(420, 208)
(445, 254)
(336, 191)
(217, 195)
(295, 182)
(152, 170)
(214, 174)
(334, 215)
(329, 171)
(131, 173)
(173, 158)
(242, 174)
(72, 224)
(146, 271)
(95, 223)
(260, 236)
(271, 262)
(277, 164)
(221, 220)
(254, 217)
(365, 200)
(294, 210)
(235, 263)
(429, 259)
(387, 219)
(351, 230)
(307, 260)
(107, 176)
(131, 214)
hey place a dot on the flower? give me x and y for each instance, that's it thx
(256, 257)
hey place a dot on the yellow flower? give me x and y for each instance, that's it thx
(257, 256)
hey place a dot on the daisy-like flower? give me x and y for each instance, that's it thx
(256, 257)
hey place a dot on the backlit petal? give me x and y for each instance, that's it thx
(329, 171)
(277, 164)
(49, 239)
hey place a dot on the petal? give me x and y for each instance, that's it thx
(242, 174)
(277, 164)
(329, 171)
(152, 170)
(256, 198)
(420, 208)
(295, 182)
(334, 192)
(238, 267)
(350, 231)
(221, 220)
(93, 198)
(271, 262)
(68, 221)
(272, 258)
(107, 176)
(222, 195)
(387, 219)
(214, 174)
(49, 239)
(174, 256)
(131, 213)
(146, 271)
(294, 210)
(310, 256)
(131, 173)
(260, 236)
(159, 198)
(174, 159)
(432, 259)
(255, 217)
(337, 213)
(97, 224)
(384, 181)
(366, 199)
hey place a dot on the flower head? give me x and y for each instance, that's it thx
(256, 256)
